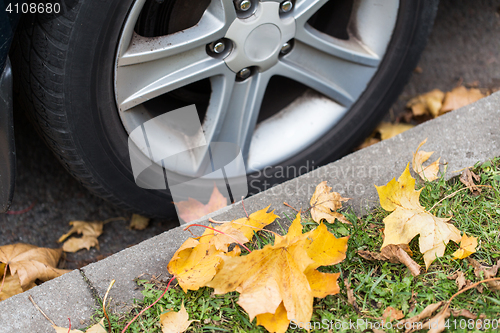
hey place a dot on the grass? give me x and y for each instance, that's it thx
(376, 285)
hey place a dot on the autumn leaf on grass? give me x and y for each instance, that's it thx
(277, 283)
(388, 130)
(324, 204)
(460, 97)
(175, 322)
(467, 247)
(97, 328)
(488, 272)
(197, 260)
(429, 172)
(139, 222)
(89, 231)
(430, 102)
(391, 314)
(409, 219)
(395, 254)
(27, 263)
(191, 209)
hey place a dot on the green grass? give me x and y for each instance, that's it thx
(377, 285)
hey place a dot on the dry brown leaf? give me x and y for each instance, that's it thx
(139, 222)
(388, 130)
(324, 204)
(175, 322)
(460, 97)
(395, 254)
(409, 219)
(89, 231)
(350, 296)
(459, 278)
(463, 313)
(430, 102)
(97, 328)
(429, 172)
(11, 286)
(467, 247)
(391, 314)
(489, 272)
(31, 263)
(467, 178)
(191, 209)
(426, 313)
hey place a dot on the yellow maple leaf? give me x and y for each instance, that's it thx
(284, 273)
(429, 172)
(409, 219)
(196, 261)
(175, 322)
(192, 209)
(430, 102)
(89, 231)
(460, 97)
(30, 263)
(97, 328)
(467, 247)
(325, 203)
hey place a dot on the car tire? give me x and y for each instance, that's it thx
(65, 68)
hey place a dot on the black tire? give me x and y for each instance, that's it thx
(65, 76)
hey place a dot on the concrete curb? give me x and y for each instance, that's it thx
(461, 138)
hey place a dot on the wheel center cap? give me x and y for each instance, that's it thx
(257, 40)
(263, 42)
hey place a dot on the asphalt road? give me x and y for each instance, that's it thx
(464, 47)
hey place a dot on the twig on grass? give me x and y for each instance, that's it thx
(104, 304)
(453, 194)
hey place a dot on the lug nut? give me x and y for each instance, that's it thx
(244, 73)
(287, 47)
(243, 5)
(218, 47)
(286, 6)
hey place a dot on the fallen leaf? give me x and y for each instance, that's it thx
(388, 130)
(191, 209)
(196, 261)
(395, 254)
(391, 314)
(430, 102)
(324, 204)
(460, 97)
(11, 286)
(97, 328)
(489, 272)
(175, 322)
(467, 247)
(367, 143)
(350, 296)
(437, 323)
(274, 322)
(279, 273)
(31, 263)
(409, 219)
(89, 231)
(139, 222)
(429, 172)
(426, 313)
(467, 178)
(463, 313)
(459, 278)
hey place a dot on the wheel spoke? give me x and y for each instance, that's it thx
(351, 50)
(234, 109)
(212, 26)
(144, 81)
(304, 9)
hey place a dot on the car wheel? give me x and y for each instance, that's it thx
(295, 84)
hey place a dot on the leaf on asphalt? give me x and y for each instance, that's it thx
(467, 247)
(388, 130)
(11, 286)
(395, 254)
(488, 272)
(467, 178)
(283, 273)
(97, 328)
(197, 261)
(429, 172)
(324, 204)
(409, 219)
(391, 314)
(428, 103)
(139, 222)
(191, 209)
(175, 322)
(89, 231)
(31, 263)
(460, 97)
